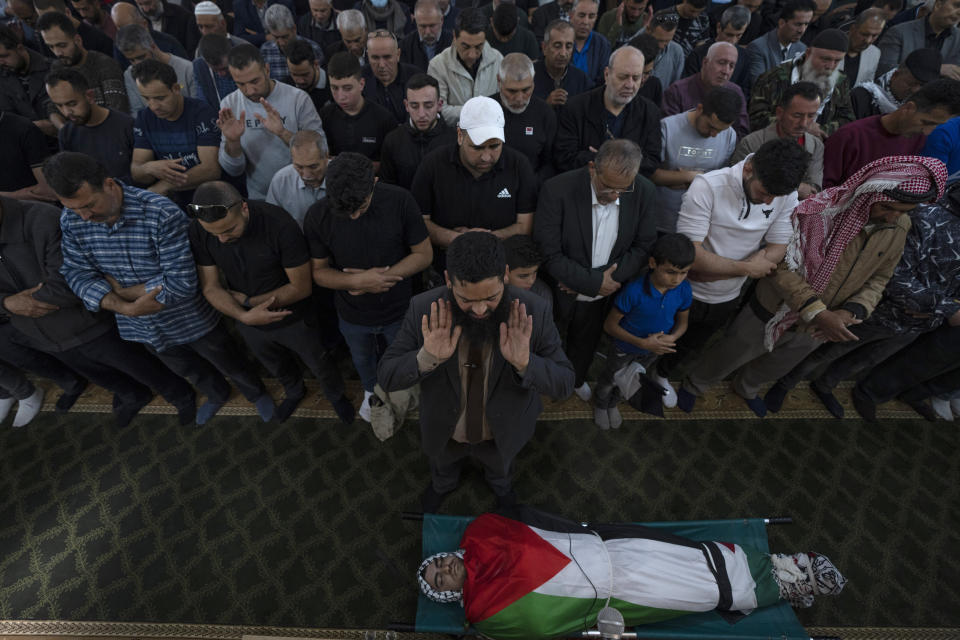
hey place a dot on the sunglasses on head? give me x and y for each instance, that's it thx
(210, 211)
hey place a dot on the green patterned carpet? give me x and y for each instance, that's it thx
(245, 523)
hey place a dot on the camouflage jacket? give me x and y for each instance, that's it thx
(770, 86)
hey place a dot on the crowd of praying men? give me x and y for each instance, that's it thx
(186, 188)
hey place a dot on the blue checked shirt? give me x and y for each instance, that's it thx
(272, 55)
(147, 245)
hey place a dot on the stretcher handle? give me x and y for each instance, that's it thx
(778, 520)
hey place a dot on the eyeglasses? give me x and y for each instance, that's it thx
(381, 33)
(666, 18)
(212, 211)
(605, 188)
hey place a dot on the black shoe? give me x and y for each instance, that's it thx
(186, 410)
(344, 409)
(507, 500)
(757, 406)
(125, 413)
(921, 407)
(685, 400)
(68, 398)
(866, 407)
(775, 397)
(431, 500)
(287, 407)
(829, 401)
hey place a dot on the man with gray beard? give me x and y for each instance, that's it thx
(530, 123)
(819, 65)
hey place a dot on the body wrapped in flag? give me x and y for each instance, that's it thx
(544, 577)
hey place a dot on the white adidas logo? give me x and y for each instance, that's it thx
(503, 193)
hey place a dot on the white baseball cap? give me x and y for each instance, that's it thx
(206, 8)
(482, 119)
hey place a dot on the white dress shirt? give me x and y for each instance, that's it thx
(606, 225)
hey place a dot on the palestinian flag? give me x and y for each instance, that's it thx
(526, 581)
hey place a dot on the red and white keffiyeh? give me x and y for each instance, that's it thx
(825, 223)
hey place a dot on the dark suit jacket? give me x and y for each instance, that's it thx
(513, 403)
(900, 40)
(180, 23)
(412, 52)
(246, 17)
(582, 124)
(563, 227)
(544, 15)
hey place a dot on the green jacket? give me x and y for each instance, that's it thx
(769, 89)
(618, 34)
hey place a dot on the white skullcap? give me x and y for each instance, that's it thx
(207, 8)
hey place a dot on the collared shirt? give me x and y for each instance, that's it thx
(272, 55)
(427, 362)
(934, 40)
(147, 245)
(580, 59)
(289, 192)
(606, 225)
(647, 311)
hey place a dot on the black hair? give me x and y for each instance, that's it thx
(780, 165)
(57, 5)
(214, 47)
(522, 252)
(505, 18)
(942, 92)
(470, 20)
(421, 80)
(9, 38)
(66, 172)
(149, 70)
(725, 103)
(475, 256)
(350, 180)
(344, 65)
(806, 90)
(53, 19)
(647, 45)
(242, 56)
(698, 4)
(300, 51)
(69, 75)
(896, 5)
(796, 6)
(675, 248)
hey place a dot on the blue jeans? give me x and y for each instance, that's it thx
(367, 345)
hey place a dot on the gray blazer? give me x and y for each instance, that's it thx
(811, 144)
(900, 40)
(764, 54)
(867, 71)
(513, 403)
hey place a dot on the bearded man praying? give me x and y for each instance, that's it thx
(482, 351)
(819, 64)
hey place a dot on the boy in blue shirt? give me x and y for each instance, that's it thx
(648, 317)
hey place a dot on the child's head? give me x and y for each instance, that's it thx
(523, 258)
(670, 260)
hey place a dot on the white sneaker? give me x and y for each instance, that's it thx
(669, 393)
(583, 392)
(364, 410)
(28, 408)
(5, 405)
(942, 408)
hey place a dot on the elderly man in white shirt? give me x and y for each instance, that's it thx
(739, 221)
(300, 184)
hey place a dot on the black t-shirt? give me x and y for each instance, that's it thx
(452, 197)
(531, 132)
(110, 142)
(362, 133)
(381, 237)
(24, 147)
(254, 264)
(851, 67)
